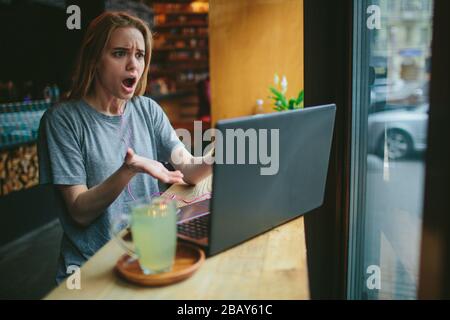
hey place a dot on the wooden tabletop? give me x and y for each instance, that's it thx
(270, 266)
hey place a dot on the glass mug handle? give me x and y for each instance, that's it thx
(120, 230)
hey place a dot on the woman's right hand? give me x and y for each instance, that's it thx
(154, 168)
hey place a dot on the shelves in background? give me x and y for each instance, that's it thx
(184, 36)
(181, 57)
(180, 25)
(172, 48)
(172, 95)
(183, 13)
(175, 71)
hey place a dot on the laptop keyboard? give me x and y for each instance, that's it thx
(195, 228)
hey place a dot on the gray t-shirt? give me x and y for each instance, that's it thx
(80, 146)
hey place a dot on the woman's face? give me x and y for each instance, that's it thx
(122, 63)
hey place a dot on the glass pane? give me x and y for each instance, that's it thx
(392, 66)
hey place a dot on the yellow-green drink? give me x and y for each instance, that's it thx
(154, 232)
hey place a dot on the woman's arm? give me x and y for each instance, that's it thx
(194, 169)
(85, 205)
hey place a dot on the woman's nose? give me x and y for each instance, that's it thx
(132, 63)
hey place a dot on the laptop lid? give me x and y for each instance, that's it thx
(288, 180)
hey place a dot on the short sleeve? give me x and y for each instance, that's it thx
(42, 148)
(59, 152)
(166, 137)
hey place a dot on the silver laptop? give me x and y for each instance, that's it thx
(245, 202)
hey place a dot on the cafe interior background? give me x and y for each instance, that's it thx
(214, 60)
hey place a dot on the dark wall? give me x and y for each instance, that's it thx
(36, 44)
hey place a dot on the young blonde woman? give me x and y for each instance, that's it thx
(102, 147)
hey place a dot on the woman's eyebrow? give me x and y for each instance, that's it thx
(127, 49)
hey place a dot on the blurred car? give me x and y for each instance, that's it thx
(405, 130)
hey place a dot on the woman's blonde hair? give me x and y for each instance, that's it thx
(94, 42)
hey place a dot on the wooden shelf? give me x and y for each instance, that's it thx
(181, 49)
(188, 60)
(181, 13)
(175, 28)
(171, 95)
(187, 83)
(183, 36)
(162, 2)
(181, 25)
(179, 69)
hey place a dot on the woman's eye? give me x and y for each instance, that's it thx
(140, 55)
(119, 54)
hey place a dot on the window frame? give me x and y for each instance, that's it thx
(434, 278)
(328, 79)
(359, 138)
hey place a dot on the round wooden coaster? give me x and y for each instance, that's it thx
(188, 259)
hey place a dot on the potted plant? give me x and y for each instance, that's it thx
(279, 96)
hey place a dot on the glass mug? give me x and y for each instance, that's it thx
(153, 223)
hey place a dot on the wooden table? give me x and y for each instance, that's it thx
(270, 266)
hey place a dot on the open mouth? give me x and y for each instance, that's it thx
(129, 82)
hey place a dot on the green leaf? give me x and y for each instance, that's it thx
(284, 102)
(300, 97)
(279, 97)
(277, 94)
(292, 104)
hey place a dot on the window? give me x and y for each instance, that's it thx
(389, 126)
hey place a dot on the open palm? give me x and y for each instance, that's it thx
(154, 168)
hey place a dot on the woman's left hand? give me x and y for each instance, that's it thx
(154, 168)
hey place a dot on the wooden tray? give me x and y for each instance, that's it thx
(188, 259)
